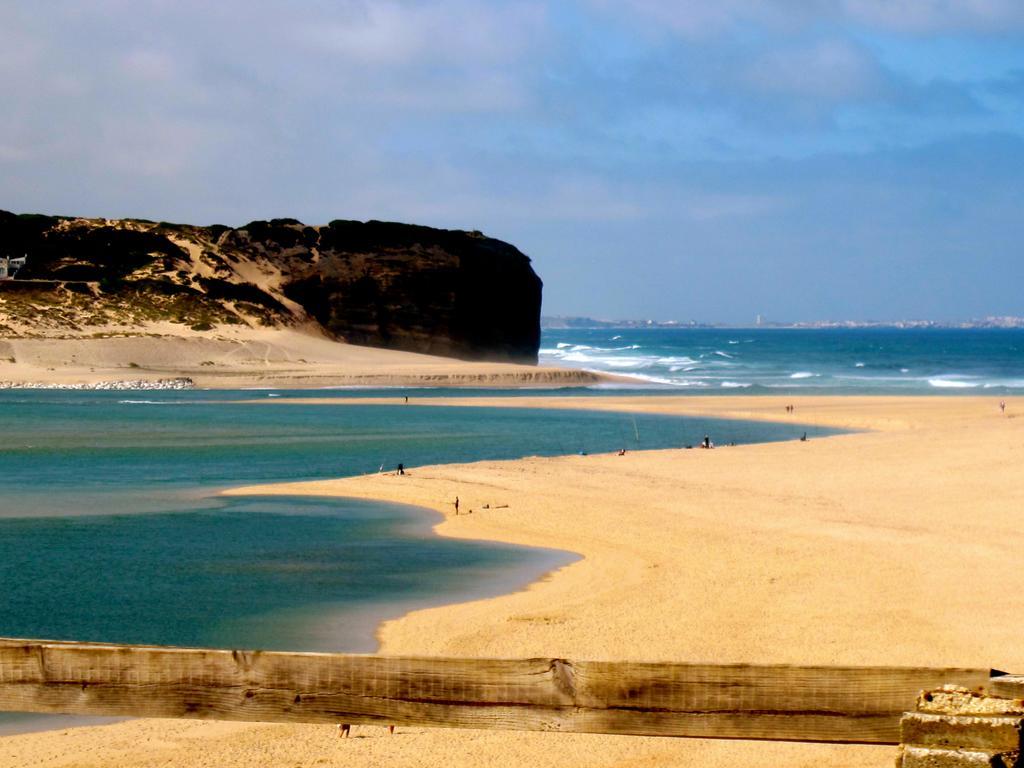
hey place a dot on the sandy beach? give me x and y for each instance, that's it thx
(888, 546)
(240, 358)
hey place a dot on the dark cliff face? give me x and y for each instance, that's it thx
(441, 292)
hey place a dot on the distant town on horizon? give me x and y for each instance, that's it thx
(564, 322)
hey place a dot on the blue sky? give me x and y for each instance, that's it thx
(683, 159)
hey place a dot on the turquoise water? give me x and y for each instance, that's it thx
(111, 528)
(795, 361)
(260, 572)
(67, 453)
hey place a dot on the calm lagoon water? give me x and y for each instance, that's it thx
(111, 528)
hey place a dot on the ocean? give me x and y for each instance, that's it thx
(798, 361)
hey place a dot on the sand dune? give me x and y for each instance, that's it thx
(885, 547)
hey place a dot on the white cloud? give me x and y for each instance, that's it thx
(10, 153)
(827, 70)
(151, 66)
(699, 18)
(447, 55)
(441, 32)
(714, 207)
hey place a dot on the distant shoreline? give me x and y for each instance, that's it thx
(556, 323)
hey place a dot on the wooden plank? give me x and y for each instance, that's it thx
(832, 704)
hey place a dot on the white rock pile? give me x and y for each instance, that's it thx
(118, 386)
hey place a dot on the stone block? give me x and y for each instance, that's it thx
(990, 733)
(923, 757)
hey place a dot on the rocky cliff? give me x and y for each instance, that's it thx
(401, 286)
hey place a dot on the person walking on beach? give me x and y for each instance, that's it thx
(456, 505)
(1002, 406)
(401, 469)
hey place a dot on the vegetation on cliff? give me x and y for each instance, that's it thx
(401, 286)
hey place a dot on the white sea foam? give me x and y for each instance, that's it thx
(140, 402)
(858, 365)
(734, 385)
(723, 354)
(615, 338)
(625, 362)
(851, 377)
(952, 383)
(576, 357)
(802, 375)
(646, 379)
(563, 344)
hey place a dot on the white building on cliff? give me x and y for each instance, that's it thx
(9, 266)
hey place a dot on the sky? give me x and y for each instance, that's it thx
(665, 159)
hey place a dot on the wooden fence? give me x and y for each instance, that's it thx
(734, 701)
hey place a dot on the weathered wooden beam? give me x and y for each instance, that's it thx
(738, 701)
